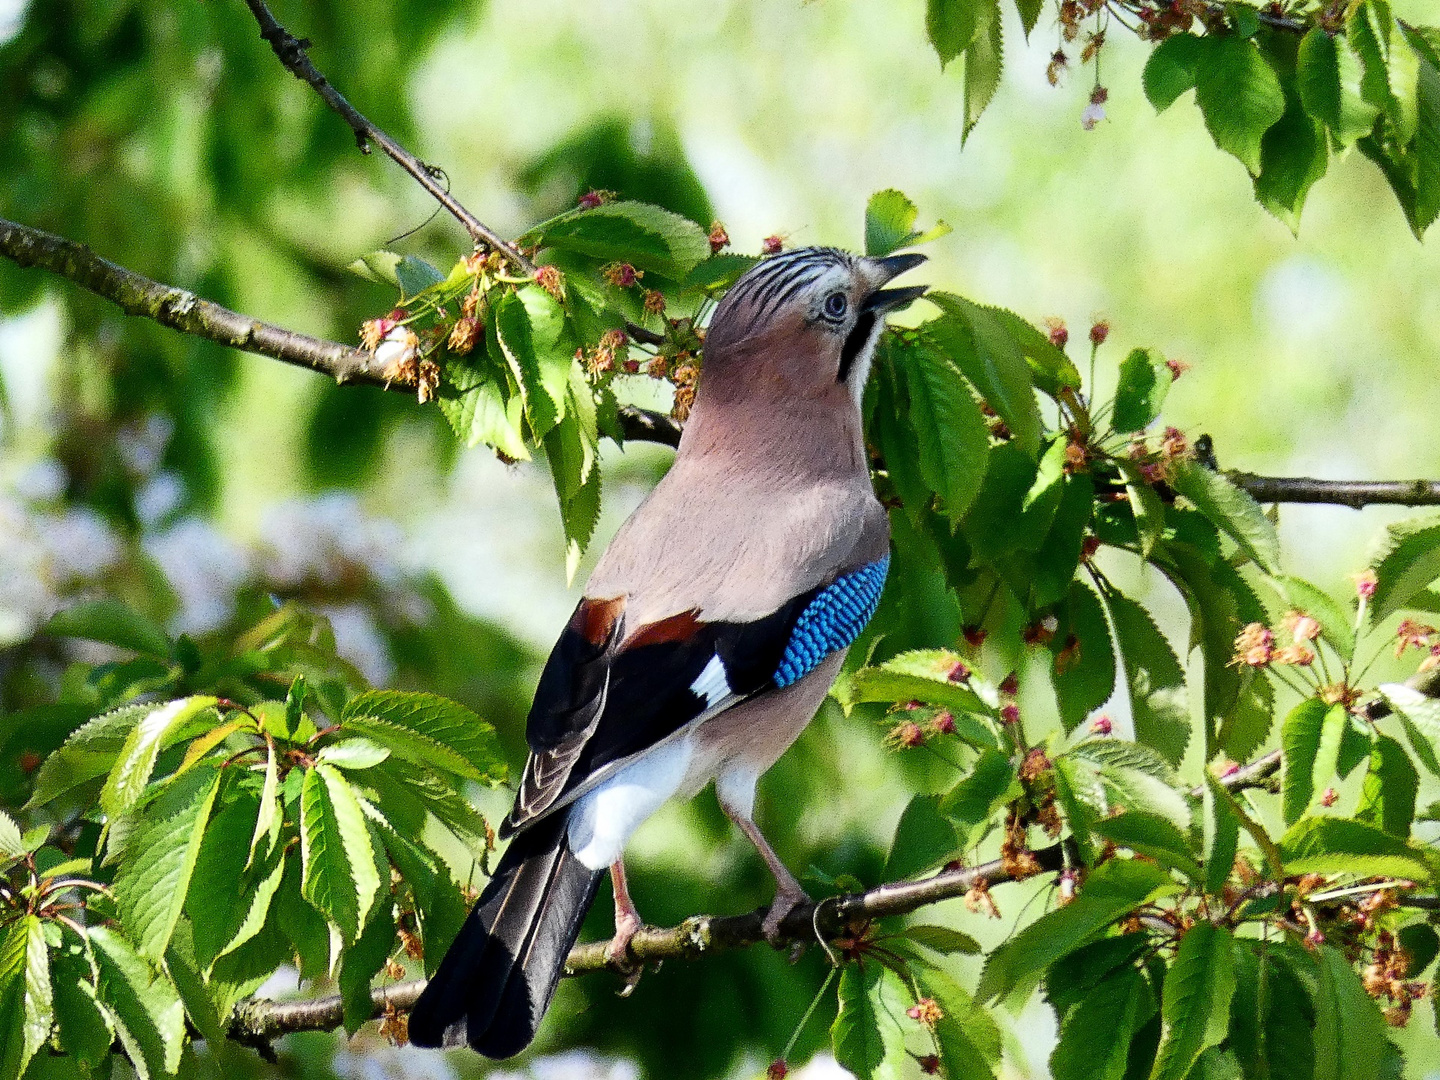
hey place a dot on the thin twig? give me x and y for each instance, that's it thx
(291, 52)
(1355, 494)
(181, 309)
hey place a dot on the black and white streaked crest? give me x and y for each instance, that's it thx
(777, 279)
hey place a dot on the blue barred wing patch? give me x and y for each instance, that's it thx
(832, 621)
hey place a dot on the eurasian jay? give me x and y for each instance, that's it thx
(706, 640)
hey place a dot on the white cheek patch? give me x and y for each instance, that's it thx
(712, 684)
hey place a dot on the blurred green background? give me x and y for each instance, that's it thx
(139, 462)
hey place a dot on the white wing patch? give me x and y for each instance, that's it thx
(711, 684)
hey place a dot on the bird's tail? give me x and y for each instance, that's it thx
(494, 985)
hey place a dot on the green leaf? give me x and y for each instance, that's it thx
(1270, 1015)
(922, 675)
(718, 272)
(408, 273)
(1391, 784)
(1420, 716)
(890, 215)
(1300, 742)
(983, 348)
(1110, 892)
(572, 449)
(943, 940)
(1150, 835)
(1329, 74)
(353, 754)
(924, 838)
(227, 908)
(1327, 845)
(1294, 153)
(479, 410)
(1029, 11)
(341, 878)
(12, 844)
(1240, 96)
(113, 623)
(1391, 66)
(1154, 679)
(83, 1028)
(1086, 678)
(1350, 1041)
(1230, 509)
(983, 61)
(951, 26)
(967, 1038)
(1336, 625)
(149, 1018)
(362, 962)
(1052, 370)
(1172, 69)
(1136, 775)
(159, 858)
(1421, 944)
(1070, 980)
(26, 1006)
(269, 815)
(1144, 382)
(528, 324)
(89, 752)
(155, 731)
(1095, 1035)
(855, 1034)
(1196, 1001)
(435, 720)
(1406, 562)
(645, 236)
(1220, 835)
(974, 798)
(1145, 504)
(953, 441)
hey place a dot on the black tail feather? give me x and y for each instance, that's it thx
(495, 983)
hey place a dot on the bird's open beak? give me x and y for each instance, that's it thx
(883, 300)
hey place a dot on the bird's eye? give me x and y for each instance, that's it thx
(835, 305)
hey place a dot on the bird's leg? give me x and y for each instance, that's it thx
(788, 893)
(627, 918)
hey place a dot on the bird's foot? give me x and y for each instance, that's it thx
(617, 951)
(786, 901)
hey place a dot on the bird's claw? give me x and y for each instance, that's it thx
(785, 902)
(617, 950)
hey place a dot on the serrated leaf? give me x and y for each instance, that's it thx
(952, 439)
(149, 1017)
(982, 348)
(974, 798)
(1139, 777)
(1240, 96)
(1336, 624)
(1095, 1036)
(1140, 393)
(83, 1028)
(1154, 680)
(1327, 845)
(1110, 892)
(1391, 785)
(983, 62)
(855, 1034)
(1420, 716)
(1300, 743)
(340, 876)
(228, 908)
(136, 761)
(362, 962)
(1270, 1015)
(921, 675)
(1150, 835)
(12, 844)
(718, 272)
(1053, 371)
(1295, 152)
(1391, 66)
(432, 717)
(480, 411)
(951, 26)
(528, 324)
(924, 838)
(1230, 509)
(269, 815)
(1407, 561)
(943, 939)
(1219, 835)
(1350, 1041)
(113, 623)
(646, 236)
(89, 752)
(1172, 69)
(890, 217)
(353, 754)
(1329, 74)
(159, 859)
(1196, 1000)
(1145, 504)
(968, 1039)
(24, 994)
(1085, 678)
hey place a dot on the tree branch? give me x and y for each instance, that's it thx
(181, 309)
(291, 52)
(1355, 494)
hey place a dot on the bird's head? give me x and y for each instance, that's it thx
(806, 320)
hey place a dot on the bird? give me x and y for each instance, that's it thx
(706, 638)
